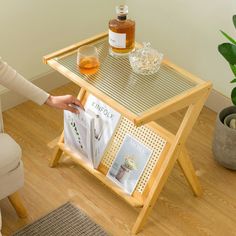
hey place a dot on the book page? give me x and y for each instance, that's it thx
(106, 121)
(78, 134)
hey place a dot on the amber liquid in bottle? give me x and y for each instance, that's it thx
(121, 32)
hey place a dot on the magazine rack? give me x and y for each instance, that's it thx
(140, 100)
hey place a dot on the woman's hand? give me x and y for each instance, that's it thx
(65, 102)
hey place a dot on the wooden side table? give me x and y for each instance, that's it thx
(140, 100)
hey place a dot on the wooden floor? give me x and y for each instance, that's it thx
(177, 211)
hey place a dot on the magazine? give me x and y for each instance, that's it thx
(90, 132)
(78, 133)
(129, 163)
(106, 121)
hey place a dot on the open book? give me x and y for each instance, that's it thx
(129, 163)
(90, 132)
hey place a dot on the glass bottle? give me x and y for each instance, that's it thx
(121, 32)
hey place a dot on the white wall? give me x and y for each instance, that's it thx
(31, 29)
(187, 32)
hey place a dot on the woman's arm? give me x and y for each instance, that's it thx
(12, 80)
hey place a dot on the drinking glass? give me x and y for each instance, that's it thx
(87, 59)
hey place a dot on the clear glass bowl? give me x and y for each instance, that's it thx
(146, 60)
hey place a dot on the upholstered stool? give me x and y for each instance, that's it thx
(11, 173)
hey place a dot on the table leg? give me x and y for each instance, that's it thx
(189, 172)
(57, 153)
(173, 154)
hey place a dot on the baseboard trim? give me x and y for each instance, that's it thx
(217, 101)
(47, 81)
(51, 80)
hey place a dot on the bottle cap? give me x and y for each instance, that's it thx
(122, 10)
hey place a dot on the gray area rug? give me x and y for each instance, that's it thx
(67, 220)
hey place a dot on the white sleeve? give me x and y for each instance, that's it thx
(12, 80)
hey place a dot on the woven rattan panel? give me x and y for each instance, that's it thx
(143, 134)
(137, 93)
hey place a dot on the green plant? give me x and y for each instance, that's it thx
(228, 51)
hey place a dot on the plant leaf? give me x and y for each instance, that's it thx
(233, 81)
(228, 37)
(228, 51)
(234, 20)
(233, 68)
(233, 96)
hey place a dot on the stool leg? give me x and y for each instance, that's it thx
(16, 202)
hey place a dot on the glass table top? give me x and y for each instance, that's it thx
(137, 93)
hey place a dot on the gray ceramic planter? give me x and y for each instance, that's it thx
(224, 141)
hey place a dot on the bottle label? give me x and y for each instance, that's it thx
(117, 40)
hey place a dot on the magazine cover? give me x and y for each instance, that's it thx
(106, 120)
(129, 164)
(78, 133)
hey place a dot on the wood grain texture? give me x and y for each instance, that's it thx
(176, 212)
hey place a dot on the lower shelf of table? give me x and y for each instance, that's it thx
(74, 156)
(146, 135)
